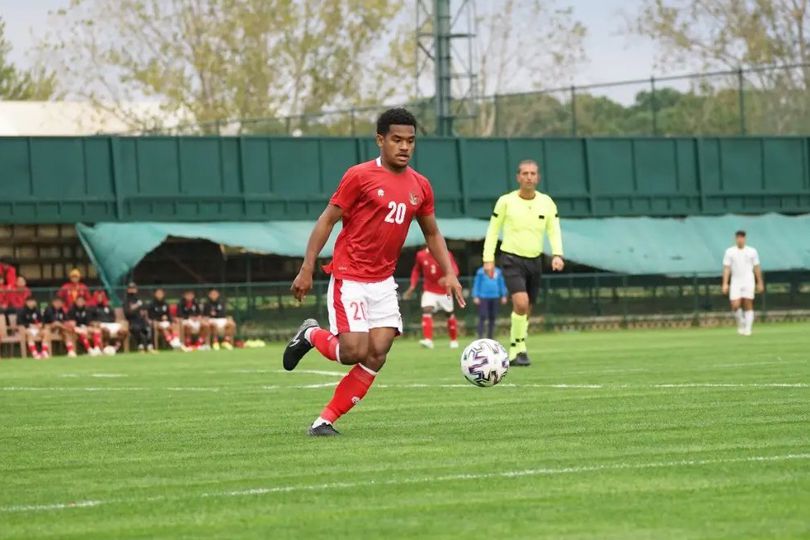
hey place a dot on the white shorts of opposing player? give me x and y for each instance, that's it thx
(355, 306)
(437, 302)
(112, 327)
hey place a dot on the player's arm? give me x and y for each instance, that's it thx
(438, 248)
(554, 233)
(317, 239)
(491, 239)
(415, 272)
(760, 280)
(726, 277)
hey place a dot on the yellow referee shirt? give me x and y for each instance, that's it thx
(524, 225)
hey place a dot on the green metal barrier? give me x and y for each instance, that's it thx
(97, 179)
(268, 309)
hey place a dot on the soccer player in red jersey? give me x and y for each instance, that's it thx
(434, 296)
(377, 201)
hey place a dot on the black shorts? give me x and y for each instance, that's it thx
(522, 274)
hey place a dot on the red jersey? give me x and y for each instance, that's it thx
(70, 291)
(9, 274)
(427, 265)
(378, 207)
(16, 297)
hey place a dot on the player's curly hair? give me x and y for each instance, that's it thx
(398, 116)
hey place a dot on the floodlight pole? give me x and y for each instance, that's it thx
(442, 26)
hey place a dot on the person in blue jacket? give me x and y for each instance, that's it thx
(486, 293)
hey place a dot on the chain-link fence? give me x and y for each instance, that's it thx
(767, 100)
(268, 310)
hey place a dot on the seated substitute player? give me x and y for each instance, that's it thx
(137, 317)
(188, 309)
(159, 314)
(80, 324)
(55, 317)
(377, 201)
(113, 331)
(486, 292)
(434, 296)
(525, 215)
(16, 295)
(219, 324)
(741, 265)
(30, 318)
(73, 289)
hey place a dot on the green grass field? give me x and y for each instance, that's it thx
(647, 434)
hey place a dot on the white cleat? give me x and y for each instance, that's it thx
(426, 343)
(94, 351)
(454, 344)
(71, 354)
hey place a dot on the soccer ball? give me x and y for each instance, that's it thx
(484, 362)
(109, 350)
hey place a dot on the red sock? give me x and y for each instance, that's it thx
(167, 335)
(427, 326)
(452, 327)
(350, 390)
(45, 348)
(97, 339)
(326, 343)
(188, 341)
(32, 349)
(85, 342)
(69, 346)
(200, 342)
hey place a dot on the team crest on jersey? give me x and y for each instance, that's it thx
(380, 193)
(414, 199)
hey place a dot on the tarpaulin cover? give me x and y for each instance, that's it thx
(626, 245)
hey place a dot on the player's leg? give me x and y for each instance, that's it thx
(736, 308)
(748, 315)
(428, 308)
(492, 314)
(229, 331)
(445, 303)
(533, 272)
(348, 310)
(516, 278)
(31, 344)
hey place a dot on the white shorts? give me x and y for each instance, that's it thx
(437, 301)
(33, 331)
(192, 325)
(164, 325)
(219, 323)
(741, 290)
(112, 327)
(358, 307)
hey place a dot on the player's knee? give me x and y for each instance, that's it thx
(375, 361)
(353, 352)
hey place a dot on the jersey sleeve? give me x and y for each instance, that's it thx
(554, 231)
(494, 229)
(427, 208)
(347, 192)
(755, 257)
(727, 258)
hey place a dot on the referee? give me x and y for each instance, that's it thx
(525, 215)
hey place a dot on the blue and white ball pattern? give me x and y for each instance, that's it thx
(484, 362)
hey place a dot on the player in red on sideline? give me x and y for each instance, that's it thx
(377, 201)
(434, 297)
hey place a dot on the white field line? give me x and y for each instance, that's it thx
(304, 371)
(550, 471)
(108, 375)
(562, 386)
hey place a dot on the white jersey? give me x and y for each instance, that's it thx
(742, 263)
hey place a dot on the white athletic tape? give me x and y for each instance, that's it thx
(550, 471)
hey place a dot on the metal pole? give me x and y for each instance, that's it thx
(573, 111)
(351, 113)
(741, 100)
(653, 107)
(497, 122)
(442, 24)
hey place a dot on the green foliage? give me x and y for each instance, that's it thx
(36, 84)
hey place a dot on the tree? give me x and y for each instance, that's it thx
(15, 84)
(739, 33)
(207, 61)
(534, 43)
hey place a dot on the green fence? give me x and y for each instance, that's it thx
(268, 310)
(98, 179)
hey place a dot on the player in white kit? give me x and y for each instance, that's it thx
(741, 265)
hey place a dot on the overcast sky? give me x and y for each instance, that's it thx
(611, 55)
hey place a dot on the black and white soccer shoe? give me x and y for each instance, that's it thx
(521, 360)
(298, 346)
(323, 430)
